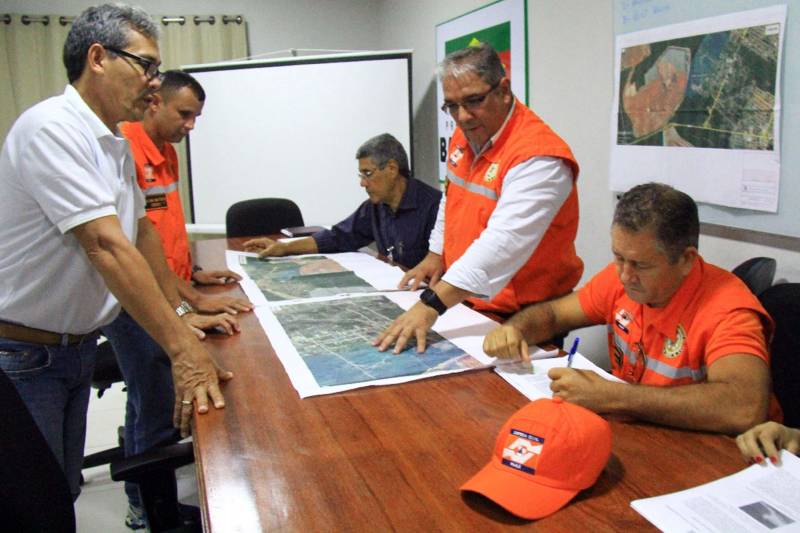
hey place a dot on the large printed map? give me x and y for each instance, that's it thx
(715, 90)
(334, 339)
(301, 277)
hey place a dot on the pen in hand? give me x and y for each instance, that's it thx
(572, 351)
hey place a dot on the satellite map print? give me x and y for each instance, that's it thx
(715, 90)
(302, 277)
(334, 339)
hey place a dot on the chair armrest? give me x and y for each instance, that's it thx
(160, 459)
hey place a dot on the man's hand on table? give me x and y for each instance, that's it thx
(428, 270)
(206, 303)
(215, 277)
(506, 342)
(581, 387)
(196, 377)
(266, 247)
(223, 322)
(413, 323)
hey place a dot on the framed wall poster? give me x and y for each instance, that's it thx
(502, 24)
(698, 107)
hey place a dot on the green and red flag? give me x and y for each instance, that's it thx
(498, 36)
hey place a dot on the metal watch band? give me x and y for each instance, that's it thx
(184, 308)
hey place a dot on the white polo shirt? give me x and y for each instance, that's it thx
(60, 167)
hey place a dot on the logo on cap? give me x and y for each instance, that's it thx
(522, 450)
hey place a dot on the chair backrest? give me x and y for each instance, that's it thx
(782, 302)
(34, 494)
(106, 368)
(757, 273)
(261, 216)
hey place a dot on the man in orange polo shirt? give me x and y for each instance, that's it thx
(504, 236)
(689, 337)
(169, 117)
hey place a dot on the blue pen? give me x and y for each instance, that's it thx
(572, 351)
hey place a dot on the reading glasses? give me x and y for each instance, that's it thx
(150, 67)
(471, 103)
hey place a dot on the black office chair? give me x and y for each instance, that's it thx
(106, 373)
(782, 302)
(34, 493)
(757, 273)
(154, 471)
(261, 216)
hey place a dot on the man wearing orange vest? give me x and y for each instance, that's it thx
(169, 117)
(504, 236)
(689, 338)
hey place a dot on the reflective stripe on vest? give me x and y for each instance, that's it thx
(657, 366)
(159, 189)
(472, 187)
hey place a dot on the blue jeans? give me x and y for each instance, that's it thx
(54, 383)
(151, 397)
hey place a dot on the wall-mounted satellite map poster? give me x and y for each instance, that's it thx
(697, 105)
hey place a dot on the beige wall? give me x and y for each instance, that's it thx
(571, 85)
(273, 24)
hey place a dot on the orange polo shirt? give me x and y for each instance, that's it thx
(157, 174)
(712, 314)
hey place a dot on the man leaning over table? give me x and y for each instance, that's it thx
(397, 217)
(687, 336)
(505, 232)
(169, 116)
(70, 213)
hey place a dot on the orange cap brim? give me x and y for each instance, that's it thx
(520, 496)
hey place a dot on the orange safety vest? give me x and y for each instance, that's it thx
(473, 190)
(157, 174)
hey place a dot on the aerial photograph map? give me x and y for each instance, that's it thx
(715, 90)
(301, 277)
(334, 339)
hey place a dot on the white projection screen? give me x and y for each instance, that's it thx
(290, 128)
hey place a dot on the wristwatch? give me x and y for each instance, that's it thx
(184, 308)
(431, 299)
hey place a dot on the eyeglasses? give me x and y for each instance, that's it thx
(470, 103)
(150, 68)
(367, 174)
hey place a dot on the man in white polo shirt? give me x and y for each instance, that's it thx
(70, 213)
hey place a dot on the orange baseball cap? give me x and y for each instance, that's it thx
(545, 454)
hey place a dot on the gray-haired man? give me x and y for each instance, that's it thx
(70, 213)
(398, 216)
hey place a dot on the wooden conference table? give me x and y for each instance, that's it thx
(393, 457)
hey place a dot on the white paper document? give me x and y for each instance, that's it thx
(534, 383)
(759, 498)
